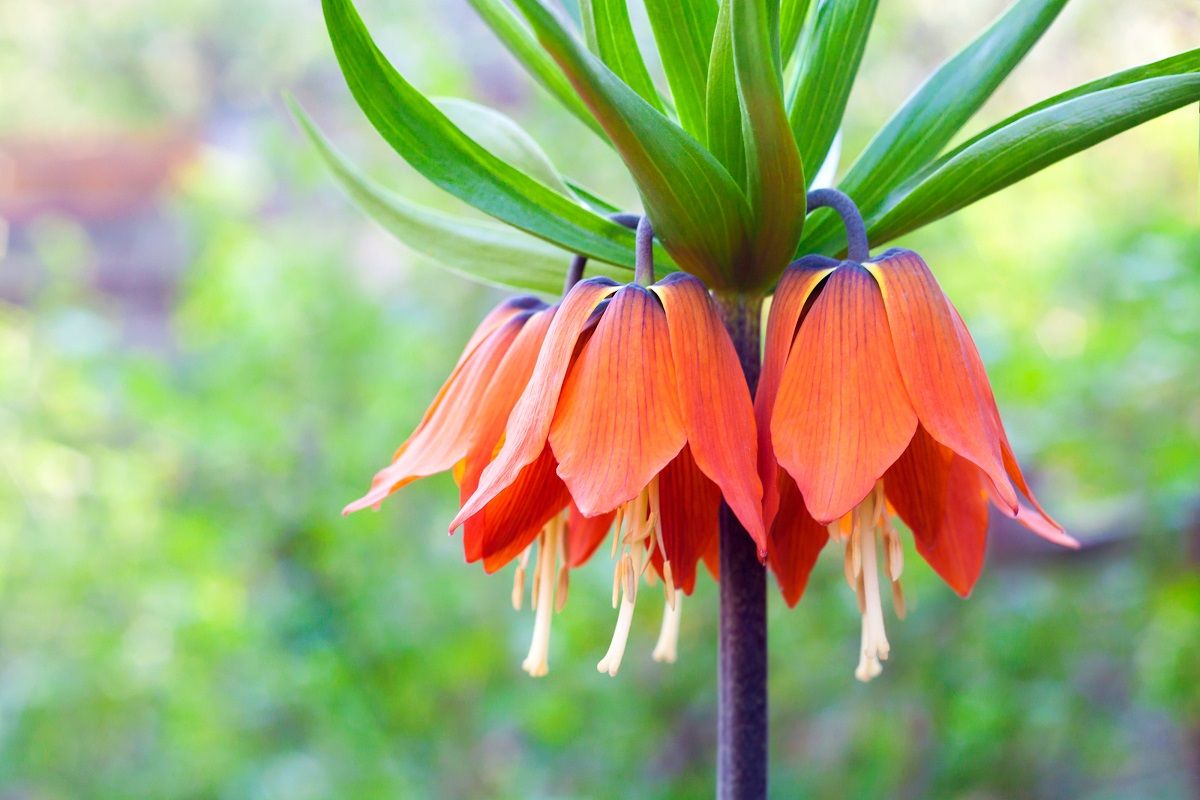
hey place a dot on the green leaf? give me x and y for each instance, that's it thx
(521, 43)
(594, 201)
(830, 54)
(698, 212)
(939, 109)
(1179, 64)
(774, 173)
(723, 110)
(610, 36)
(683, 31)
(501, 136)
(1028, 144)
(441, 152)
(481, 250)
(792, 14)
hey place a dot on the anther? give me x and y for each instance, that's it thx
(666, 649)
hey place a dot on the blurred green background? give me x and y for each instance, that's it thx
(205, 351)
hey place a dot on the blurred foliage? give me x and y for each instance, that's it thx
(184, 613)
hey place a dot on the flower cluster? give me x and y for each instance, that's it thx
(623, 410)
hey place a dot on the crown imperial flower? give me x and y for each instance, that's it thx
(637, 405)
(873, 403)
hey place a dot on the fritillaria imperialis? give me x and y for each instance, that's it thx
(621, 408)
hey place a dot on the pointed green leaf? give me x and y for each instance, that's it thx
(699, 213)
(436, 148)
(593, 200)
(1030, 143)
(723, 110)
(610, 36)
(938, 110)
(830, 54)
(1179, 64)
(683, 31)
(509, 29)
(792, 14)
(484, 251)
(501, 136)
(774, 173)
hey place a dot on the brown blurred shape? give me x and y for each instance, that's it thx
(91, 178)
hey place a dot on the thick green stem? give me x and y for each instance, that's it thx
(742, 675)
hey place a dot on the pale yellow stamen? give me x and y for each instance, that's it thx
(866, 530)
(564, 575)
(666, 649)
(549, 547)
(638, 533)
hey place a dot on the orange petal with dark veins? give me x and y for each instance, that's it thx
(690, 505)
(842, 416)
(943, 499)
(940, 366)
(796, 541)
(718, 414)
(618, 421)
(792, 296)
(584, 535)
(444, 436)
(513, 518)
(529, 423)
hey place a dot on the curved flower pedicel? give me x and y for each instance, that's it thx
(874, 401)
(638, 405)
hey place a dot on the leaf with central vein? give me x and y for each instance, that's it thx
(698, 212)
(683, 31)
(723, 110)
(819, 238)
(501, 136)
(774, 174)
(441, 152)
(520, 42)
(610, 36)
(830, 54)
(484, 251)
(1179, 64)
(1031, 143)
(930, 118)
(792, 14)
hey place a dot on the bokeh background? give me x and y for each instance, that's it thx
(205, 351)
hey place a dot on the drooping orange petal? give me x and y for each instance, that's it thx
(618, 421)
(712, 557)
(507, 382)
(512, 519)
(842, 416)
(796, 541)
(444, 435)
(529, 423)
(584, 535)
(1032, 516)
(792, 294)
(1033, 520)
(718, 415)
(942, 497)
(499, 315)
(690, 505)
(937, 365)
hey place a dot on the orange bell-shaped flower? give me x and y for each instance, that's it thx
(874, 400)
(638, 406)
